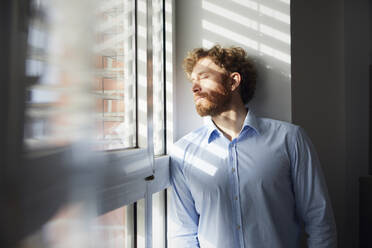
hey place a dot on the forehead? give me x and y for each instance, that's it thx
(205, 65)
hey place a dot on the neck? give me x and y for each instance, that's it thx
(230, 122)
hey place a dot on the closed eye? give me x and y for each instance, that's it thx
(201, 76)
(204, 76)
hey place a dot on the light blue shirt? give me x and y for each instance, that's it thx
(252, 192)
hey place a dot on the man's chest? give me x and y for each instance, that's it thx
(216, 175)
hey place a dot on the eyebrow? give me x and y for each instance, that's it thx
(201, 72)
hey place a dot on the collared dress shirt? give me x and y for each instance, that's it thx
(251, 192)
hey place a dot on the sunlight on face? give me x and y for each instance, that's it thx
(210, 87)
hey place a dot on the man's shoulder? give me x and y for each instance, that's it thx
(193, 136)
(273, 125)
(189, 143)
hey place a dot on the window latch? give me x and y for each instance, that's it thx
(150, 178)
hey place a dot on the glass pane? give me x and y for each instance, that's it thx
(168, 67)
(67, 228)
(158, 220)
(141, 223)
(114, 229)
(72, 226)
(57, 64)
(81, 60)
(168, 220)
(158, 76)
(142, 73)
(114, 85)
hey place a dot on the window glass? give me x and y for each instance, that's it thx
(82, 88)
(158, 220)
(141, 237)
(114, 229)
(72, 226)
(114, 85)
(68, 227)
(47, 100)
(158, 76)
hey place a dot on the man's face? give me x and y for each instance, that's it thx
(210, 87)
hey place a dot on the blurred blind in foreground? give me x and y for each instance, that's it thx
(68, 228)
(83, 55)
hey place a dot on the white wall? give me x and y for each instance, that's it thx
(261, 27)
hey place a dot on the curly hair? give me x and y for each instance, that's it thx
(233, 59)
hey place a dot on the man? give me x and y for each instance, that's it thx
(241, 180)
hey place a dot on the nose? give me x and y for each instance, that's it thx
(195, 87)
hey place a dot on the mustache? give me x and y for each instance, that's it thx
(201, 95)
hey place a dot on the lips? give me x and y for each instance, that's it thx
(198, 97)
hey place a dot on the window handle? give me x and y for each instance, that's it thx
(150, 178)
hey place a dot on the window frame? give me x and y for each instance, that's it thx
(58, 167)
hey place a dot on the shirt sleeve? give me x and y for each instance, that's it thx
(312, 201)
(184, 219)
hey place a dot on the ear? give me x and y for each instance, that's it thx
(235, 80)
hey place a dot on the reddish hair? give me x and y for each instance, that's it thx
(233, 59)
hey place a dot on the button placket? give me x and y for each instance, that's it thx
(237, 200)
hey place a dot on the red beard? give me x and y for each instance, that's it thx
(213, 103)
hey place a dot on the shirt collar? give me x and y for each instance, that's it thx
(250, 121)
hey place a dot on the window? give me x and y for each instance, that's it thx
(116, 74)
(94, 120)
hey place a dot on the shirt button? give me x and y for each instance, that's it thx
(238, 227)
(236, 198)
(233, 170)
